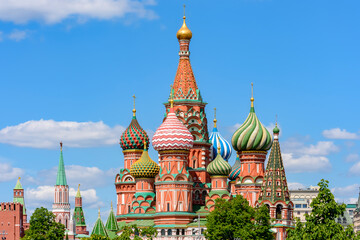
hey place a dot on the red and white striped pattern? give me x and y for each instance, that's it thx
(172, 135)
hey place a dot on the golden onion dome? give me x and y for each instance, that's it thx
(184, 32)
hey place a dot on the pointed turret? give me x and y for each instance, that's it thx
(19, 198)
(61, 176)
(111, 223)
(99, 228)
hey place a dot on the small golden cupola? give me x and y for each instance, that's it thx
(184, 32)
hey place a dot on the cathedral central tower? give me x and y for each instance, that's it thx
(189, 107)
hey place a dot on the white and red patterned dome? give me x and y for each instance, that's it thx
(172, 135)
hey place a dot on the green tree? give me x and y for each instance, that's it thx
(320, 223)
(134, 233)
(44, 227)
(98, 237)
(237, 219)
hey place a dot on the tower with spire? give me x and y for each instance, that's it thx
(19, 198)
(78, 215)
(251, 141)
(275, 192)
(189, 107)
(61, 205)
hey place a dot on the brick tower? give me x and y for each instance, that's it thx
(19, 198)
(275, 193)
(61, 205)
(189, 107)
(78, 216)
(251, 141)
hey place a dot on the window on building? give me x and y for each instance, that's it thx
(298, 213)
(197, 195)
(168, 207)
(169, 232)
(344, 220)
(297, 205)
(339, 220)
(248, 167)
(203, 196)
(304, 206)
(128, 209)
(162, 232)
(177, 231)
(182, 231)
(278, 211)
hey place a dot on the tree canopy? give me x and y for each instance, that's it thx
(44, 227)
(237, 219)
(320, 223)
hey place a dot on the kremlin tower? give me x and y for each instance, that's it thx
(251, 141)
(79, 218)
(19, 198)
(61, 205)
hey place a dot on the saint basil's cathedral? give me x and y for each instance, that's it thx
(175, 195)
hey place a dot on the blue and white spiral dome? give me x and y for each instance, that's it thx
(218, 141)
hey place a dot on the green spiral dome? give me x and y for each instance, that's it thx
(219, 167)
(145, 167)
(252, 135)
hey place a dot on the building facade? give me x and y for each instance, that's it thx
(175, 195)
(11, 220)
(302, 199)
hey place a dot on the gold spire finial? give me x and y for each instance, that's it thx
(61, 146)
(215, 118)
(218, 148)
(252, 95)
(111, 206)
(79, 187)
(184, 32)
(99, 212)
(134, 110)
(171, 97)
(276, 120)
(19, 178)
(184, 12)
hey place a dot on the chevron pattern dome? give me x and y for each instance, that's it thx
(172, 135)
(134, 136)
(235, 170)
(145, 167)
(218, 141)
(219, 167)
(251, 135)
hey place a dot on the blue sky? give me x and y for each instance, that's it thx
(69, 66)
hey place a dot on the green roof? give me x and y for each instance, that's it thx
(79, 217)
(61, 177)
(18, 185)
(111, 223)
(99, 228)
(219, 192)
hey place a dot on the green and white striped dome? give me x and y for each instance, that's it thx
(219, 166)
(252, 135)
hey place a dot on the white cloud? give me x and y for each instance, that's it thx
(355, 169)
(48, 134)
(8, 173)
(337, 133)
(55, 11)
(18, 35)
(43, 196)
(86, 176)
(347, 191)
(321, 148)
(305, 163)
(352, 157)
(295, 185)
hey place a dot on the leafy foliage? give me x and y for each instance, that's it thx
(133, 232)
(44, 227)
(321, 224)
(237, 219)
(98, 237)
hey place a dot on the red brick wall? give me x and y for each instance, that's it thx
(11, 221)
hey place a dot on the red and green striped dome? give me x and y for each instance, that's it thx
(134, 136)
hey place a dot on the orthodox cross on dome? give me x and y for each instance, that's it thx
(215, 118)
(134, 110)
(252, 95)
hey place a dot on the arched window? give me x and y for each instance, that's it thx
(129, 209)
(344, 220)
(66, 223)
(203, 196)
(162, 232)
(278, 211)
(183, 232)
(169, 232)
(177, 231)
(197, 195)
(168, 207)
